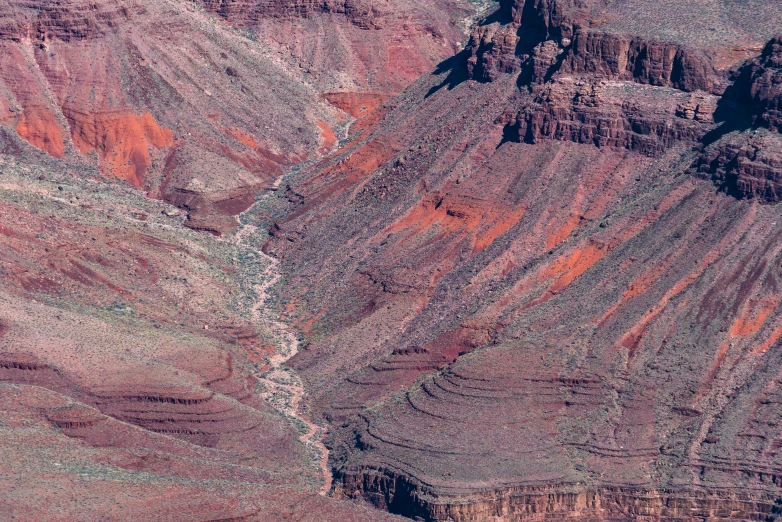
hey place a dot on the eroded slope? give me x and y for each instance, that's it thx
(543, 296)
(197, 111)
(127, 362)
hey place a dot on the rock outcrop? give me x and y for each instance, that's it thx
(389, 491)
(538, 311)
(65, 20)
(744, 157)
(543, 38)
(580, 80)
(747, 165)
(614, 113)
(759, 87)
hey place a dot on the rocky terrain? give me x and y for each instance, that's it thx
(128, 363)
(546, 280)
(141, 370)
(341, 260)
(162, 94)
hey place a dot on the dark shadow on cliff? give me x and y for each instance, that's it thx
(510, 134)
(735, 113)
(456, 67)
(731, 114)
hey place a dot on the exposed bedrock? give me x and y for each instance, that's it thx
(222, 411)
(610, 113)
(359, 12)
(737, 132)
(66, 20)
(744, 156)
(543, 38)
(534, 309)
(745, 164)
(399, 493)
(760, 86)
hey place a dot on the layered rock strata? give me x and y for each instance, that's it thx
(126, 367)
(540, 312)
(744, 157)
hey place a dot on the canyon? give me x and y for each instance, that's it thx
(353, 260)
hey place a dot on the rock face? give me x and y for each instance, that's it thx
(745, 164)
(354, 46)
(361, 13)
(766, 86)
(152, 90)
(745, 159)
(645, 119)
(519, 302)
(601, 38)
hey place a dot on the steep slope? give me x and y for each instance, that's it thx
(544, 285)
(129, 364)
(149, 90)
(138, 375)
(356, 45)
(192, 110)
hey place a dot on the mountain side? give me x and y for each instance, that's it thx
(543, 286)
(135, 349)
(130, 364)
(195, 111)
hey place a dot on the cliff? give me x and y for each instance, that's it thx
(744, 157)
(518, 300)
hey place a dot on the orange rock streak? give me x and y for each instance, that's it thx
(39, 127)
(122, 140)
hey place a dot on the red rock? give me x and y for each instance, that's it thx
(528, 308)
(519, 296)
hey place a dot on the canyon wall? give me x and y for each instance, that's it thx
(529, 293)
(155, 92)
(128, 385)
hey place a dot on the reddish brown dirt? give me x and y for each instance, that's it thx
(357, 104)
(328, 138)
(526, 307)
(123, 142)
(39, 127)
(130, 82)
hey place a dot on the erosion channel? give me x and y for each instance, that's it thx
(283, 389)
